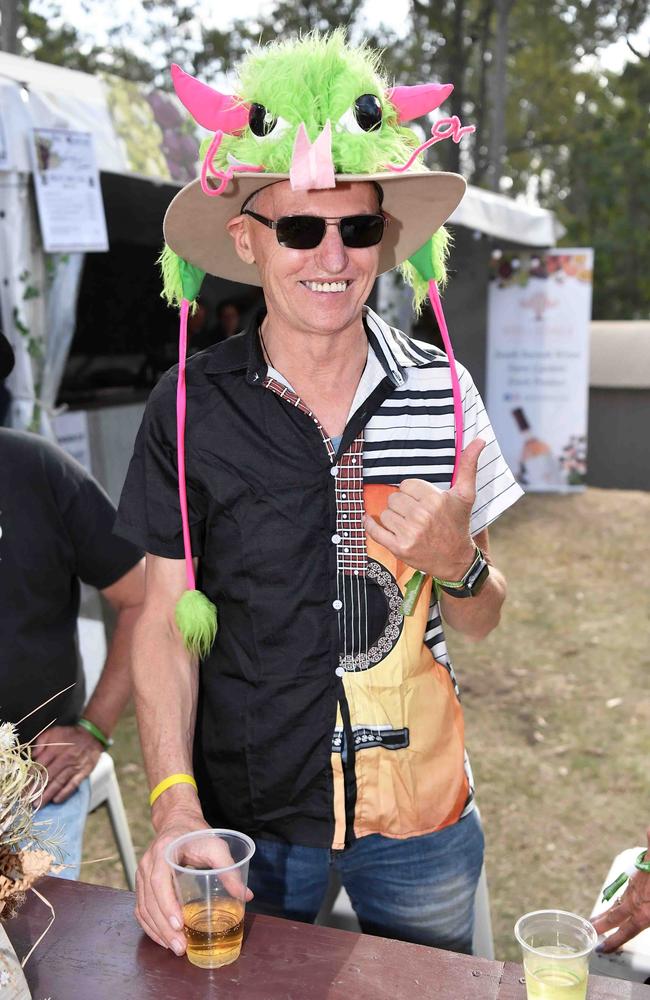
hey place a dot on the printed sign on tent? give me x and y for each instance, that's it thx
(539, 312)
(68, 193)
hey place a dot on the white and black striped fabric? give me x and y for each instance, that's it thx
(411, 436)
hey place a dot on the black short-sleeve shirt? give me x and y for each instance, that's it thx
(309, 650)
(55, 530)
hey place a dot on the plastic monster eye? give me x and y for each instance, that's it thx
(364, 116)
(263, 124)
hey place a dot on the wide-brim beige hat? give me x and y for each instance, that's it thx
(417, 204)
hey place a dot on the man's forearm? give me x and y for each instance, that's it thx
(113, 689)
(476, 616)
(165, 683)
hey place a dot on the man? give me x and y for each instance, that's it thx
(55, 531)
(324, 722)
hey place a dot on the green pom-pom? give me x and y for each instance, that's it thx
(429, 263)
(196, 617)
(180, 279)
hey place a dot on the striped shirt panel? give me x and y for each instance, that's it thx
(412, 434)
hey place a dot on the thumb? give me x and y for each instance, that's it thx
(465, 483)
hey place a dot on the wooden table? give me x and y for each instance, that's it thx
(96, 951)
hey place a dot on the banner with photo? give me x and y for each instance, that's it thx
(539, 313)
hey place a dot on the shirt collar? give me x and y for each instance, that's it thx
(396, 352)
(241, 351)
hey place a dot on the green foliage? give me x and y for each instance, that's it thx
(606, 200)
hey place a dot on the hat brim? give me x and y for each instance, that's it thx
(417, 204)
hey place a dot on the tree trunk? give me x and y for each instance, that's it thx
(9, 26)
(499, 90)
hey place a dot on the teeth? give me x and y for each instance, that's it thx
(326, 286)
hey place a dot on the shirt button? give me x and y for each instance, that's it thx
(337, 605)
(344, 496)
(336, 539)
(334, 471)
(340, 671)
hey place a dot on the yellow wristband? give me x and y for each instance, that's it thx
(173, 779)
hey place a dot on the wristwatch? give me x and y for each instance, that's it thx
(473, 580)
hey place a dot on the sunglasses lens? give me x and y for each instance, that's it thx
(362, 230)
(300, 232)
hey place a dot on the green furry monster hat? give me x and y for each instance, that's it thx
(315, 112)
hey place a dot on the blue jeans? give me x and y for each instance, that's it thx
(64, 823)
(420, 889)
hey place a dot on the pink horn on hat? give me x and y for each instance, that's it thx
(413, 102)
(210, 108)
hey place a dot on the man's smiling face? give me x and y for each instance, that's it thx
(294, 280)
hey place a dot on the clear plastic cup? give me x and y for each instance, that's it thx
(555, 946)
(210, 871)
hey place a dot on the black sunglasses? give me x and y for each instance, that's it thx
(304, 232)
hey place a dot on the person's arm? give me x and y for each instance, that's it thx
(429, 529)
(630, 914)
(476, 616)
(71, 752)
(165, 684)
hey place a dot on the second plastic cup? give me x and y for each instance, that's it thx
(556, 946)
(210, 870)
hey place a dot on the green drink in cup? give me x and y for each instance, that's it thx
(556, 946)
(210, 871)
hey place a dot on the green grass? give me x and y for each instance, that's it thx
(562, 779)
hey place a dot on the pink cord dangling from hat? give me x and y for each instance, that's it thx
(196, 615)
(414, 585)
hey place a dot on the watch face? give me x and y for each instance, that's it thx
(476, 585)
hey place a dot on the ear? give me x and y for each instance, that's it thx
(239, 229)
(413, 102)
(210, 108)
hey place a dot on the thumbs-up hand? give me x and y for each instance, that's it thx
(428, 528)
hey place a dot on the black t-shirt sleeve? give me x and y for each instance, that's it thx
(149, 512)
(88, 515)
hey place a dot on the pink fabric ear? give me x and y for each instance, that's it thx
(311, 163)
(210, 108)
(413, 102)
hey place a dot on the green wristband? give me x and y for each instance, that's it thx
(91, 728)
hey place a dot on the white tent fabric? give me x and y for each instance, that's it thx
(21, 264)
(38, 309)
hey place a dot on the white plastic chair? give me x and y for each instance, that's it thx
(104, 787)
(105, 790)
(337, 911)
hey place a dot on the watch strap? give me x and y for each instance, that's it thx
(472, 581)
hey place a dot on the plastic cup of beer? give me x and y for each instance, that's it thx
(556, 946)
(210, 872)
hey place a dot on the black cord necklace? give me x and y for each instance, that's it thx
(268, 356)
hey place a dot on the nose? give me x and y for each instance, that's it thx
(331, 255)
